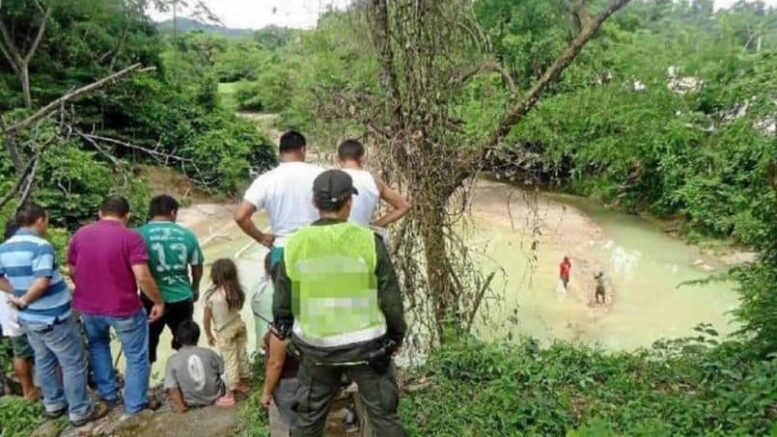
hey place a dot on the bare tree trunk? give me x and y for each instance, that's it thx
(21, 64)
(382, 40)
(441, 286)
(24, 77)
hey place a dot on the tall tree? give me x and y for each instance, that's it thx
(428, 51)
(18, 55)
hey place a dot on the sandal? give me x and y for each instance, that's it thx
(226, 401)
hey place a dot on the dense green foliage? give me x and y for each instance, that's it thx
(19, 417)
(677, 388)
(171, 116)
(617, 131)
(668, 111)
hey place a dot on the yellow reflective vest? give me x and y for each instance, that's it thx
(334, 285)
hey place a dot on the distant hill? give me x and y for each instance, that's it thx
(186, 25)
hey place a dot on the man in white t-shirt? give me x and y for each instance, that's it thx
(371, 188)
(286, 193)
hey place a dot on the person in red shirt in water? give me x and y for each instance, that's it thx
(564, 269)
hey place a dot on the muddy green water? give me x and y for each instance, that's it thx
(644, 267)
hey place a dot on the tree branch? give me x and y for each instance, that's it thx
(30, 169)
(9, 58)
(486, 66)
(30, 180)
(551, 75)
(38, 37)
(54, 105)
(97, 147)
(155, 153)
(22, 177)
(9, 48)
(382, 41)
(479, 300)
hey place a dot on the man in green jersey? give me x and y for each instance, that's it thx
(175, 259)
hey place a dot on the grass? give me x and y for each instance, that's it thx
(678, 388)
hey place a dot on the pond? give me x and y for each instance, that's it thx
(644, 269)
(647, 273)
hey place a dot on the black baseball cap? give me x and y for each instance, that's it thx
(332, 187)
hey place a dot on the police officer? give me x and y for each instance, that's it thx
(337, 297)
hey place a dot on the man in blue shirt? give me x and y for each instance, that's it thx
(29, 272)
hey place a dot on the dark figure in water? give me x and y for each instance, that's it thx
(599, 277)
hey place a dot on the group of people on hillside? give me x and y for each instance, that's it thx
(337, 311)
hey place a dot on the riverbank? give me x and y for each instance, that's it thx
(524, 235)
(507, 223)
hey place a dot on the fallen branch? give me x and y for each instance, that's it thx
(479, 299)
(22, 177)
(30, 171)
(30, 180)
(161, 157)
(56, 104)
(97, 147)
(155, 153)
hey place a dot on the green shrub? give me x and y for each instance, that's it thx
(678, 388)
(18, 417)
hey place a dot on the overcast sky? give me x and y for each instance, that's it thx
(255, 14)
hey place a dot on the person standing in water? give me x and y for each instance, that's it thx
(564, 270)
(600, 289)
(371, 189)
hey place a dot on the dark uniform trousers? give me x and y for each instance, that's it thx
(175, 314)
(320, 383)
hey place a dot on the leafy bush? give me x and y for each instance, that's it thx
(18, 417)
(679, 388)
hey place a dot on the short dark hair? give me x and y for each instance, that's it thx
(10, 228)
(162, 205)
(188, 333)
(116, 206)
(350, 149)
(291, 141)
(28, 214)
